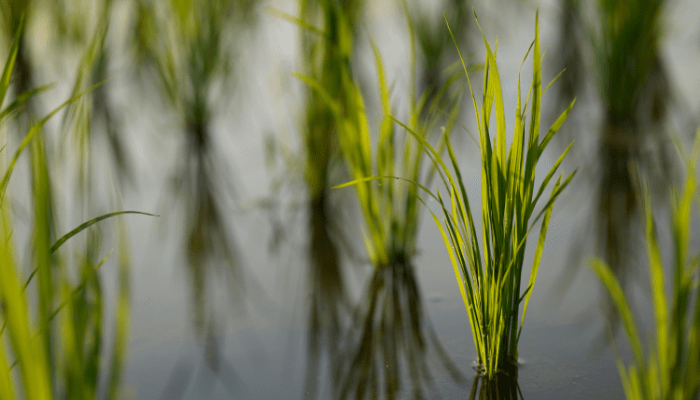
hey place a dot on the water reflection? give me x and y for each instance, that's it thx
(503, 386)
(633, 90)
(436, 45)
(323, 57)
(328, 304)
(390, 331)
(186, 49)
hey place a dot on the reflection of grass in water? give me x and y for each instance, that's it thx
(436, 44)
(671, 368)
(76, 25)
(504, 385)
(60, 354)
(390, 330)
(328, 303)
(326, 50)
(633, 88)
(397, 330)
(186, 47)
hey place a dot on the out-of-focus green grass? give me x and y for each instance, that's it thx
(54, 330)
(670, 369)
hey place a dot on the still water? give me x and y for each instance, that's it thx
(259, 347)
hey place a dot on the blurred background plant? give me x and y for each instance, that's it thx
(614, 48)
(328, 35)
(670, 369)
(188, 49)
(435, 44)
(188, 57)
(388, 324)
(389, 327)
(55, 323)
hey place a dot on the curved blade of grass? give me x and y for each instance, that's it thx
(495, 93)
(297, 21)
(93, 221)
(82, 227)
(464, 65)
(613, 286)
(553, 80)
(554, 128)
(546, 180)
(316, 85)
(434, 156)
(374, 178)
(22, 98)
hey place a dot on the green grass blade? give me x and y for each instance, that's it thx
(10, 63)
(33, 132)
(656, 277)
(22, 99)
(538, 254)
(612, 285)
(374, 178)
(91, 222)
(547, 178)
(297, 21)
(82, 227)
(555, 128)
(552, 81)
(29, 353)
(466, 73)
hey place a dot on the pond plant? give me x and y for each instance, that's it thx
(633, 87)
(388, 326)
(623, 39)
(670, 369)
(328, 39)
(53, 328)
(491, 287)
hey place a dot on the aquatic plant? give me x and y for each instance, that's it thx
(388, 325)
(328, 36)
(56, 330)
(491, 287)
(623, 40)
(671, 368)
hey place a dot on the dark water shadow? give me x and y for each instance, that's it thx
(329, 305)
(389, 339)
(503, 386)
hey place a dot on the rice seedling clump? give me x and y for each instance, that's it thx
(489, 277)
